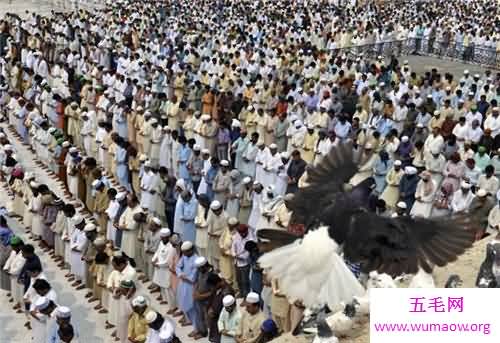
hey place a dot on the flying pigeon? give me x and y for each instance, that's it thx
(338, 222)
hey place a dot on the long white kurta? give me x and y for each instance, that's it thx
(147, 185)
(113, 283)
(256, 207)
(271, 168)
(79, 242)
(13, 266)
(111, 211)
(423, 207)
(162, 256)
(202, 188)
(36, 225)
(260, 161)
(129, 227)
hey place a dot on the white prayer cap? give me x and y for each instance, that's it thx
(404, 139)
(181, 184)
(147, 164)
(30, 175)
(151, 316)
(66, 144)
(77, 219)
(410, 170)
(139, 301)
(481, 193)
(99, 241)
(73, 149)
(394, 215)
(187, 245)
(448, 88)
(495, 109)
(476, 76)
(465, 185)
(154, 121)
(298, 123)
(261, 142)
(205, 151)
(397, 163)
(196, 147)
(224, 163)
(228, 300)
(420, 125)
(252, 298)
(52, 130)
(215, 205)
(256, 183)
(143, 157)
(63, 312)
(156, 220)
(42, 303)
(471, 93)
(34, 184)
(232, 221)
(96, 183)
(429, 96)
(250, 108)
(139, 109)
(405, 62)
(121, 196)
(285, 155)
(435, 150)
(273, 146)
(402, 205)
(235, 123)
(200, 261)
(89, 227)
(368, 146)
(165, 232)
(466, 71)
(436, 113)
(246, 180)
(205, 117)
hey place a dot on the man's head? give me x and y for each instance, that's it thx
(155, 320)
(139, 304)
(252, 302)
(187, 248)
(41, 287)
(28, 251)
(66, 333)
(229, 303)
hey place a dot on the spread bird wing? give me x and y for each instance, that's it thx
(401, 245)
(309, 270)
(325, 179)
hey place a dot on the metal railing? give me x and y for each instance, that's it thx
(487, 57)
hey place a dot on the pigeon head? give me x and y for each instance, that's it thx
(324, 331)
(350, 310)
(454, 281)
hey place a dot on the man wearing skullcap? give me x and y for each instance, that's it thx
(195, 166)
(238, 148)
(424, 196)
(186, 271)
(249, 156)
(128, 226)
(229, 320)
(408, 186)
(160, 260)
(221, 182)
(202, 294)
(209, 133)
(462, 198)
(251, 319)
(216, 224)
(126, 292)
(391, 192)
(161, 330)
(78, 243)
(137, 324)
(101, 204)
(13, 267)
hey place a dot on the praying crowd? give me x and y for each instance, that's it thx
(174, 131)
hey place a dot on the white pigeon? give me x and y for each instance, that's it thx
(422, 280)
(343, 321)
(362, 304)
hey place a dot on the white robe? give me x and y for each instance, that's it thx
(271, 168)
(162, 256)
(129, 227)
(78, 241)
